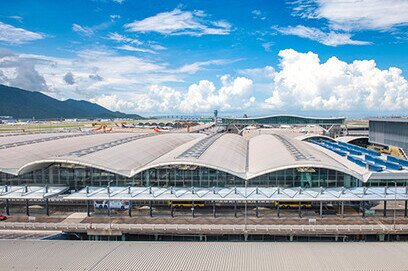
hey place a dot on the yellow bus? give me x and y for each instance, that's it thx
(292, 204)
(186, 203)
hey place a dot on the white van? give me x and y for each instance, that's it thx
(114, 204)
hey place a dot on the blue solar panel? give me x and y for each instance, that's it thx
(387, 164)
(402, 162)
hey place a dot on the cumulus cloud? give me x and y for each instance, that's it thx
(304, 82)
(21, 71)
(234, 94)
(113, 102)
(355, 14)
(179, 22)
(15, 35)
(330, 38)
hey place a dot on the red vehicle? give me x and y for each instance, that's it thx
(3, 217)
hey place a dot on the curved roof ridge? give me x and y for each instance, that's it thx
(289, 115)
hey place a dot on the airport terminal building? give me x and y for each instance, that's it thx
(78, 160)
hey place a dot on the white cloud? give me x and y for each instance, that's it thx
(356, 14)
(120, 38)
(304, 83)
(327, 38)
(130, 82)
(15, 35)
(113, 102)
(178, 22)
(131, 48)
(95, 72)
(119, 1)
(157, 47)
(91, 30)
(83, 30)
(20, 71)
(17, 18)
(234, 94)
(115, 16)
(197, 66)
(159, 99)
(257, 14)
(267, 46)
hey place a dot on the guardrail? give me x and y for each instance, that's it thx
(208, 228)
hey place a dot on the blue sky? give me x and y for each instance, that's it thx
(314, 57)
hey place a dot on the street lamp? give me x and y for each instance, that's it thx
(109, 205)
(246, 207)
(395, 203)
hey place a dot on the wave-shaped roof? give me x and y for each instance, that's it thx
(128, 153)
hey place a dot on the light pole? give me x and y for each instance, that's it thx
(395, 204)
(246, 207)
(109, 205)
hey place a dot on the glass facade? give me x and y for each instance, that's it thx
(389, 132)
(78, 177)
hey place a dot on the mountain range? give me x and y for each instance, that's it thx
(20, 103)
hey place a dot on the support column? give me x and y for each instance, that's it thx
(171, 209)
(321, 209)
(406, 208)
(235, 209)
(88, 208)
(27, 208)
(150, 209)
(192, 208)
(7, 207)
(257, 209)
(385, 208)
(109, 208)
(214, 214)
(362, 208)
(130, 208)
(342, 209)
(47, 208)
(278, 209)
(300, 209)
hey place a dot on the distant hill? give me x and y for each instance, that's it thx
(21, 103)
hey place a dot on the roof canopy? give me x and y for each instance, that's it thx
(240, 194)
(30, 192)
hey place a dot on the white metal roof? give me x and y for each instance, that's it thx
(284, 115)
(347, 139)
(241, 194)
(129, 153)
(269, 153)
(202, 256)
